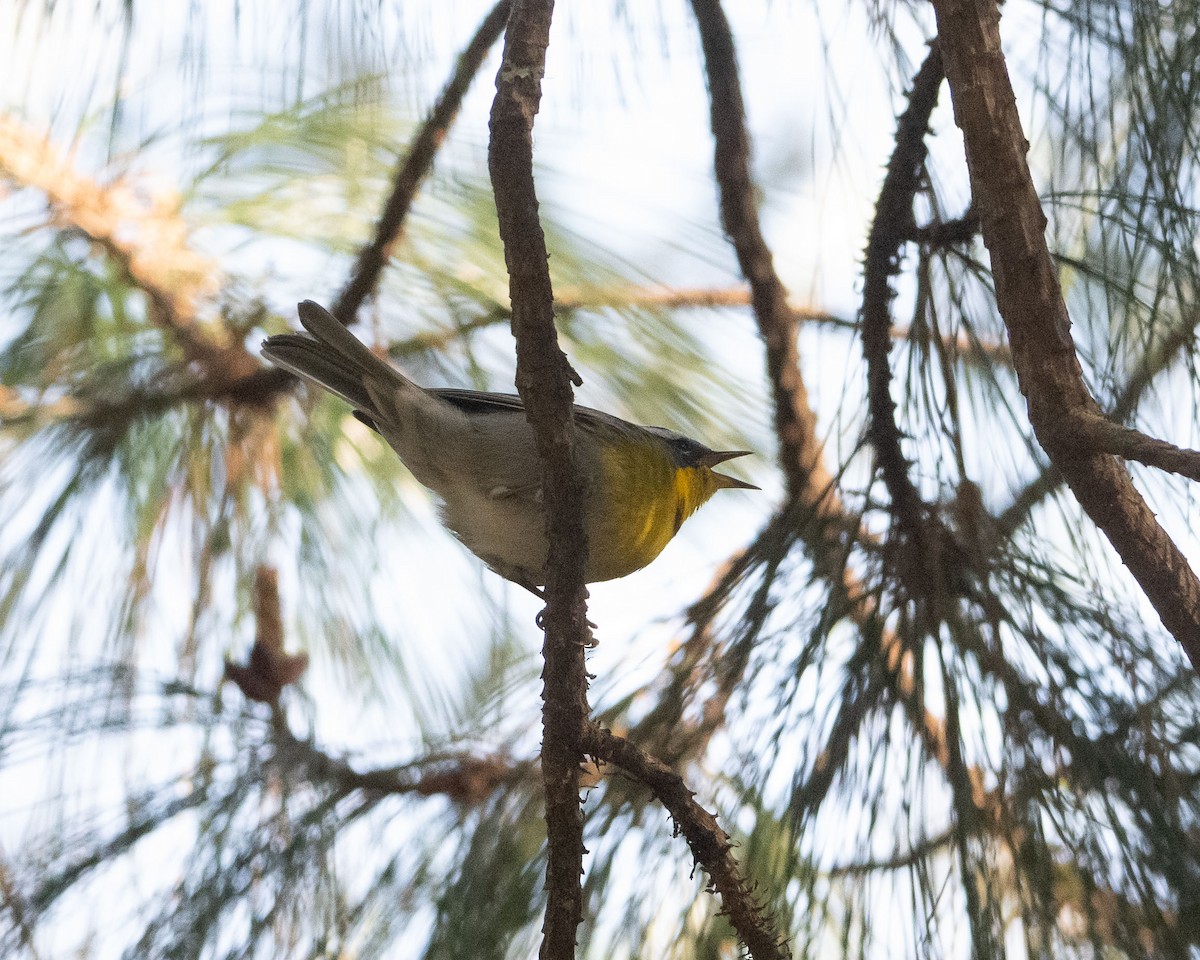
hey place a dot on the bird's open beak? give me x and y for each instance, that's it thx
(724, 480)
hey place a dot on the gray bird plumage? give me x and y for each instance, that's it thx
(476, 451)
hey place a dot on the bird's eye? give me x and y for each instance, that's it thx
(688, 450)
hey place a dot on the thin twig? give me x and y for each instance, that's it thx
(1094, 432)
(463, 777)
(413, 169)
(962, 347)
(890, 229)
(710, 845)
(675, 298)
(140, 825)
(901, 860)
(969, 825)
(1150, 365)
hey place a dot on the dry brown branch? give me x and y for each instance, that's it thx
(675, 298)
(1031, 303)
(144, 234)
(544, 379)
(710, 845)
(961, 347)
(269, 669)
(466, 778)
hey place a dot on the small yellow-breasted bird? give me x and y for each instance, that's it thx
(476, 452)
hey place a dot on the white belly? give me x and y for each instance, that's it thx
(508, 534)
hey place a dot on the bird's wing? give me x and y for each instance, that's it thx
(475, 401)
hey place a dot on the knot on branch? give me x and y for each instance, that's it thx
(263, 677)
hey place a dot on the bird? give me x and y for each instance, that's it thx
(476, 452)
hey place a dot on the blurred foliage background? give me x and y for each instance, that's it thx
(995, 752)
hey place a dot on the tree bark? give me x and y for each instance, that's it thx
(1030, 301)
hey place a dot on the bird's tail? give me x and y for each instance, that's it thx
(332, 358)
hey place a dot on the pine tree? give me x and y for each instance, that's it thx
(941, 700)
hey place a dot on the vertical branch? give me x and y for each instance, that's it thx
(808, 481)
(544, 381)
(1031, 303)
(891, 228)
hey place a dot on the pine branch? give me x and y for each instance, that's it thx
(808, 481)
(674, 298)
(857, 702)
(260, 388)
(717, 674)
(14, 903)
(924, 531)
(707, 666)
(50, 888)
(811, 487)
(968, 826)
(710, 845)
(544, 379)
(1151, 363)
(416, 165)
(464, 777)
(582, 298)
(149, 241)
(679, 298)
(1031, 303)
(1092, 432)
(901, 860)
(889, 231)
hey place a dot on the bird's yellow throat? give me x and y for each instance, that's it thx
(647, 499)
